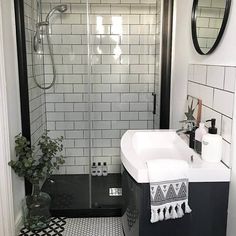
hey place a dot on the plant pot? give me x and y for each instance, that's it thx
(36, 209)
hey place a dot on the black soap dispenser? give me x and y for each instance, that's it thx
(212, 129)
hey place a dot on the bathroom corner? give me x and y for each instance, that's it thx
(202, 84)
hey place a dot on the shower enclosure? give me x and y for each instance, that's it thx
(93, 72)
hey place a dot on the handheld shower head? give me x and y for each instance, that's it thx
(60, 8)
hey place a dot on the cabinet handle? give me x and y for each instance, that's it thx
(154, 103)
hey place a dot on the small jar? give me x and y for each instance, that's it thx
(94, 169)
(104, 169)
(99, 169)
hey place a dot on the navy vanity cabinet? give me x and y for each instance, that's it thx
(209, 202)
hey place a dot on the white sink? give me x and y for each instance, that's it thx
(159, 144)
(138, 146)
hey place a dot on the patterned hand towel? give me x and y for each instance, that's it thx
(168, 189)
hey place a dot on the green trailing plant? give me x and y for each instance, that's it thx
(37, 167)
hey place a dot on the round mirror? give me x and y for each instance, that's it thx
(209, 18)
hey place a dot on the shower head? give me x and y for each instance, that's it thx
(59, 8)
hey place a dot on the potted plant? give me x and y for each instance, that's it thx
(35, 168)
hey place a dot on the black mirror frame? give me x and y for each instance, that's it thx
(222, 29)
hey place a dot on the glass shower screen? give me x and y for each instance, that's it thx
(106, 58)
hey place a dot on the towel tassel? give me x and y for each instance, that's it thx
(161, 214)
(167, 213)
(187, 208)
(173, 213)
(157, 215)
(180, 212)
(152, 216)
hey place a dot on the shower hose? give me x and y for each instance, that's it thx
(52, 60)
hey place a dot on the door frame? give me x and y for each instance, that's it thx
(166, 62)
(7, 226)
(23, 76)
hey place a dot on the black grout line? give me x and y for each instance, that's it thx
(214, 88)
(218, 112)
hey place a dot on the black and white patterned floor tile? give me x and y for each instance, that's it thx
(55, 228)
(108, 226)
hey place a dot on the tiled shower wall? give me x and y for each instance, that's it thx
(124, 54)
(215, 85)
(209, 21)
(36, 95)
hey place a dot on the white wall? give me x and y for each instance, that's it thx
(11, 67)
(185, 54)
(231, 227)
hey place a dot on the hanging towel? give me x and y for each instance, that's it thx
(168, 189)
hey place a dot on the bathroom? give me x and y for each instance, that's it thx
(118, 66)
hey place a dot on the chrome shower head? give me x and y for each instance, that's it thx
(61, 8)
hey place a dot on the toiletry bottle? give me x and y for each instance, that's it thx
(199, 133)
(104, 169)
(212, 144)
(94, 169)
(99, 169)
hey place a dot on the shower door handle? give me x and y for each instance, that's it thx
(154, 103)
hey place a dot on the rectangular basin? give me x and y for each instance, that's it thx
(138, 146)
(161, 144)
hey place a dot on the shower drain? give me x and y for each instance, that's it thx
(115, 192)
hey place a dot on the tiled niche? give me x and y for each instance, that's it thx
(215, 85)
(124, 46)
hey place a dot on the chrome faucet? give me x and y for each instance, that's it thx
(187, 126)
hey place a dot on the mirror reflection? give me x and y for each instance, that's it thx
(209, 17)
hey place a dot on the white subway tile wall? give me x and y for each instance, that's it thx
(35, 68)
(124, 38)
(215, 85)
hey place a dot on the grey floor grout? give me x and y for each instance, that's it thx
(107, 226)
